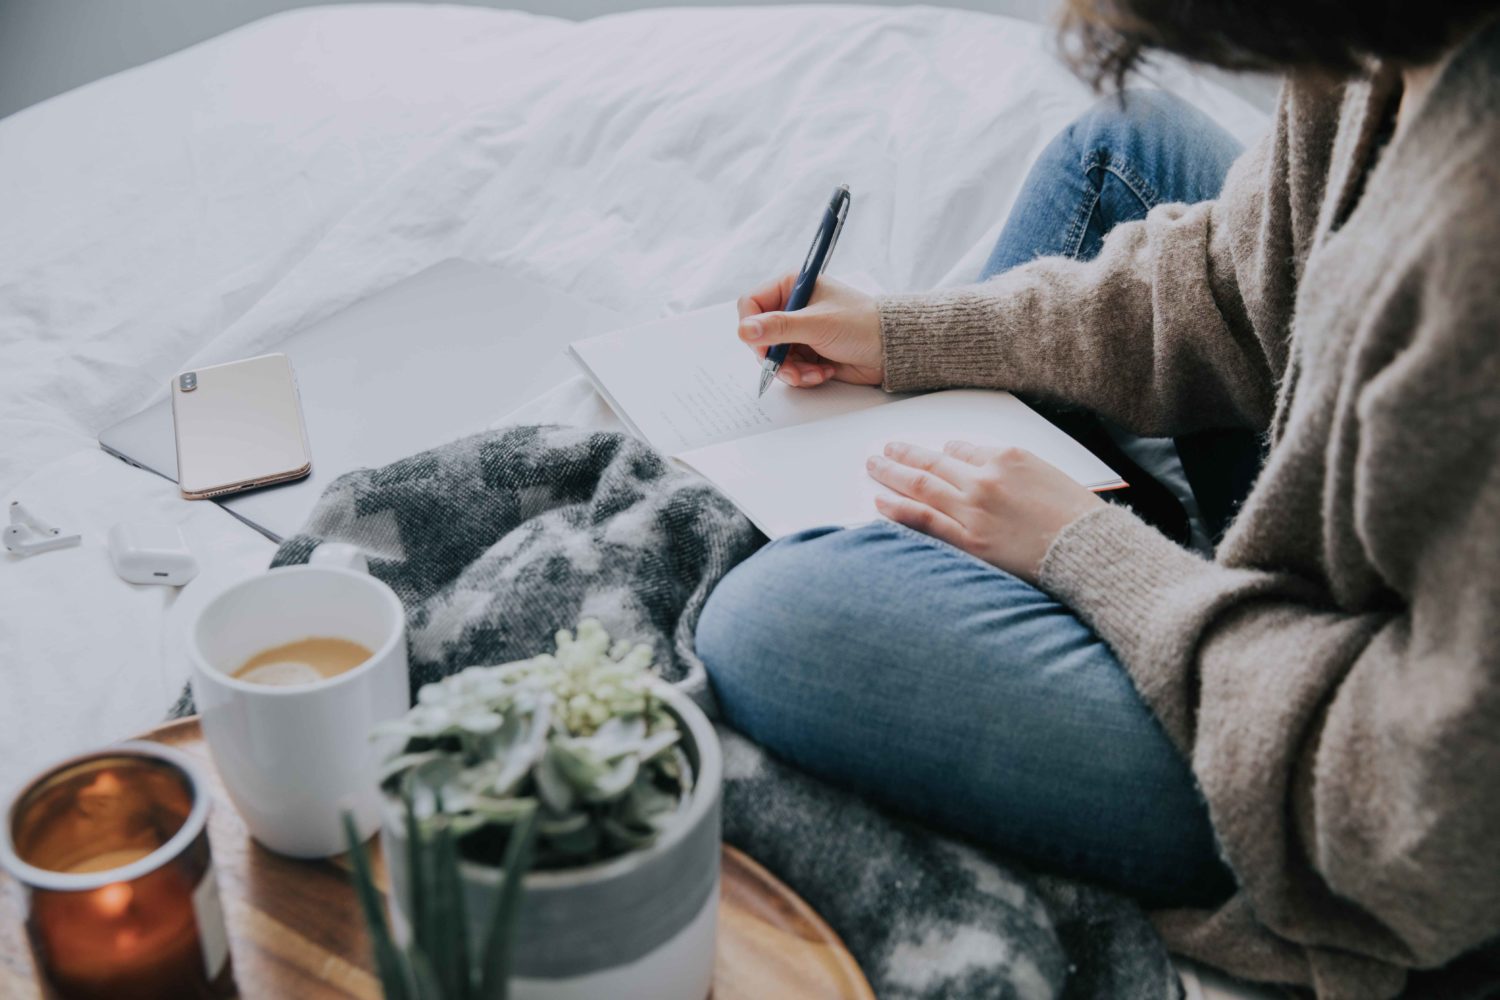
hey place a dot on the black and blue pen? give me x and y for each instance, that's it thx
(807, 278)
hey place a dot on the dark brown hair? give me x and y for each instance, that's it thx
(1105, 39)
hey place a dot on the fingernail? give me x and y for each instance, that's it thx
(750, 329)
(873, 462)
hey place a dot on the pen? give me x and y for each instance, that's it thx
(817, 259)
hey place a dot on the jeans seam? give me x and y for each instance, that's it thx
(1102, 159)
(1073, 241)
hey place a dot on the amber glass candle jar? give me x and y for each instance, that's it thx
(112, 848)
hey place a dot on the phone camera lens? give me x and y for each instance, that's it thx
(188, 381)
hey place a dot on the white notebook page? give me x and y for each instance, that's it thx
(790, 479)
(794, 458)
(688, 381)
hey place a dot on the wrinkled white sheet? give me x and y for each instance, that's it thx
(200, 207)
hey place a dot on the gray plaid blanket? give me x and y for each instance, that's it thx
(496, 541)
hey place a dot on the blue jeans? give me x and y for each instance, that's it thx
(898, 666)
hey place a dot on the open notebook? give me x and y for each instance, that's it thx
(795, 458)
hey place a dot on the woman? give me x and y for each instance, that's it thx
(1290, 750)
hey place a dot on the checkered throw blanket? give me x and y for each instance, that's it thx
(496, 541)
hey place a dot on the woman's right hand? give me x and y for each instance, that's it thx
(836, 336)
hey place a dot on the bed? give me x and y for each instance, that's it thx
(200, 207)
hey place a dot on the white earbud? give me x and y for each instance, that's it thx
(27, 534)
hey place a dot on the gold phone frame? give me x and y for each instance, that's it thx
(238, 426)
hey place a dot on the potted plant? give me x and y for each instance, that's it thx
(584, 771)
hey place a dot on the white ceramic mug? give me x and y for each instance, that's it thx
(295, 758)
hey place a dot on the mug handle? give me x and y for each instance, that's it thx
(339, 555)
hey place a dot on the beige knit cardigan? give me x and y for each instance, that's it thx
(1334, 673)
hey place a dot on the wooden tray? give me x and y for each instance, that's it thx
(295, 928)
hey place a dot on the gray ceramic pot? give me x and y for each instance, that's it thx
(638, 926)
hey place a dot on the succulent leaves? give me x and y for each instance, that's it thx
(576, 735)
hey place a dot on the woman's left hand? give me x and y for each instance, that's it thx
(1003, 505)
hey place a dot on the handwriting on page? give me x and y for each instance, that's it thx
(716, 406)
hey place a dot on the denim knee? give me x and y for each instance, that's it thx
(1113, 164)
(752, 595)
(1119, 118)
(1161, 145)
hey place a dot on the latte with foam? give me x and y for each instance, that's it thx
(305, 661)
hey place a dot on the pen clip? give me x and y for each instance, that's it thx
(838, 227)
(839, 206)
(833, 240)
(812, 252)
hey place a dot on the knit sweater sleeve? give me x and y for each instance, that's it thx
(1349, 760)
(1178, 324)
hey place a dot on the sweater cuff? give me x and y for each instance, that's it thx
(1135, 587)
(935, 340)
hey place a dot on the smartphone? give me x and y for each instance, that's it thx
(238, 425)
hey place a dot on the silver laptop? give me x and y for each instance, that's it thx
(442, 354)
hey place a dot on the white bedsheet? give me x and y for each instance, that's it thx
(200, 207)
